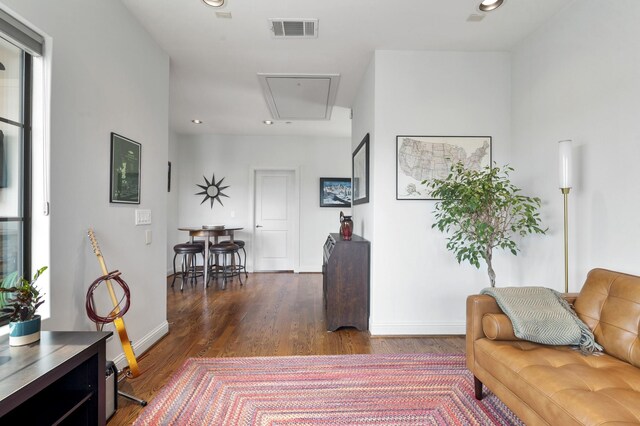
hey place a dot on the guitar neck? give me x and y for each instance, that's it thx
(112, 293)
(102, 263)
(105, 271)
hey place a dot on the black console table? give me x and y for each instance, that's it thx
(345, 282)
(58, 380)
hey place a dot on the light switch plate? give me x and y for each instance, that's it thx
(147, 236)
(143, 217)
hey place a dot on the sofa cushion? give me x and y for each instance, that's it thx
(609, 303)
(562, 385)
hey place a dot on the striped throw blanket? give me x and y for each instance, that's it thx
(541, 315)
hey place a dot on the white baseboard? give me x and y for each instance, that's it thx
(310, 268)
(408, 329)
(142, 345)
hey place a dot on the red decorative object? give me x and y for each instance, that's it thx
(346, 226)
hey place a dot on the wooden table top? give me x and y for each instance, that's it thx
(20, 366)
(200, 228)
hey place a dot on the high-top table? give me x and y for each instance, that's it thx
(208, 233)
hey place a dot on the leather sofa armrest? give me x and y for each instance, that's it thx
(498, 327)
(570, 297)
(477, 306)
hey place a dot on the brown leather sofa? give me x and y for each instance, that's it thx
(557, 385)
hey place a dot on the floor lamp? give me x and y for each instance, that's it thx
(565, 187)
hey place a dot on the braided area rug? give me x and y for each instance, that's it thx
(409, 389)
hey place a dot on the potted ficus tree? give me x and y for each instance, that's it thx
(482, 210)
(21, 298)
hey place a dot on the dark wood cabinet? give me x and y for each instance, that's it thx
(58, 380)
(345, 282)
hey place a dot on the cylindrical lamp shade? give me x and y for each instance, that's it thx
(565, 164)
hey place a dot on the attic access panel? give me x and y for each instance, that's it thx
(300, 96)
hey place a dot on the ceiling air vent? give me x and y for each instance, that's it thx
(293, 28)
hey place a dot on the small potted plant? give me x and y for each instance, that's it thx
(21, 299)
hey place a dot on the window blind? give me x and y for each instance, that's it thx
(21, 35)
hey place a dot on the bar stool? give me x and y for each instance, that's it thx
(221, 251)
(188, 269)
(242, 265)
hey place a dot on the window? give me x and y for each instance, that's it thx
(16, 77)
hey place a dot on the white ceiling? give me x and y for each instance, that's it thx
(215, 61)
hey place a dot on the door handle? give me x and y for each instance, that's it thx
(258, 226)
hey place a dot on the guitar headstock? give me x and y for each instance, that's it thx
(94, 242)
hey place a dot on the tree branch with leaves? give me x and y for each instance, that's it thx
(482, 210)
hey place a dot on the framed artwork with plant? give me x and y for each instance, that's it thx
(125, 170)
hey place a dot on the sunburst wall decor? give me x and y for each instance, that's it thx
(212, 191)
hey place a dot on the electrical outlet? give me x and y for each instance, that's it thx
(143, 217)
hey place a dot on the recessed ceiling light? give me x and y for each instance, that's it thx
(489, 5)
(196, 121)
(214, 3)
(268, 122)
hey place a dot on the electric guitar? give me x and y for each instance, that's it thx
(118, 322)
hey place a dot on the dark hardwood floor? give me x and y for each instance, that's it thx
(273, 314)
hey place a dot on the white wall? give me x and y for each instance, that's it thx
(107, 75)
(364, 122)
(417, 287)
(577, 78)
(233, 157)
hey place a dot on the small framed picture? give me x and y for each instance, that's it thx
(335, 192)
(125, 170)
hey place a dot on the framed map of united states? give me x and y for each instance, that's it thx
(420, 158)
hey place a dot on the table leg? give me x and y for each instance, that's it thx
(233, 258)
(217, 260)
(205, 275)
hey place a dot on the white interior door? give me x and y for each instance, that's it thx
(274, 220)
